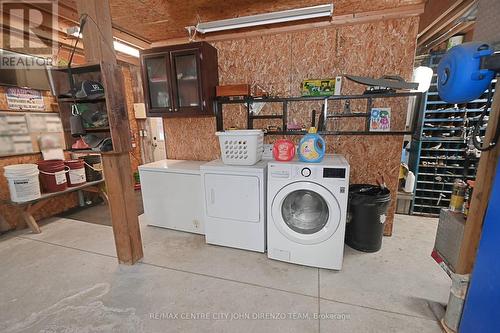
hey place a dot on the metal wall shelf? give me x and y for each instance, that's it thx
(285, 101)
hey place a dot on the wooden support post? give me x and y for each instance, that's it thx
(98, 48)
(481, 194)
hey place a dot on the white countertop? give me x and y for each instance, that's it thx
(175, 166)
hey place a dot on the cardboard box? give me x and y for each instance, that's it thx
(233, 90)
(322, 87)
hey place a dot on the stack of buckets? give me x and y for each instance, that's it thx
(53, 176)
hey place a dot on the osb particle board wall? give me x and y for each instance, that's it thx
(280, 62)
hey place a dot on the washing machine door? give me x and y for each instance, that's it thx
(306, 212)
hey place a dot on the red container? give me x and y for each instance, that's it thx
(76, 172)
(284, 150)
(53, 175)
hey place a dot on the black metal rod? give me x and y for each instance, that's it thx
(417, 111)
(267, 116)
(348, 115)
(369, 105)
(218, 115)
(285, 116)
(339, 133)
(249, 118)
(316, 98)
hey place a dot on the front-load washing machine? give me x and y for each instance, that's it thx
(306, 211)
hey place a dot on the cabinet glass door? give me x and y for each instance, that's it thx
(157, 77)
(185, 66)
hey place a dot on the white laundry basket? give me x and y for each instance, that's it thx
(241, 147)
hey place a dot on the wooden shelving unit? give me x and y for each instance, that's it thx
(69, 78)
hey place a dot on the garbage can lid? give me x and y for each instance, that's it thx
(368, 192)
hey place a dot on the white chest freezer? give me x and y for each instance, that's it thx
(172, 195)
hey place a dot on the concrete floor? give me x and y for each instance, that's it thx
(99, 214)
(67, 279)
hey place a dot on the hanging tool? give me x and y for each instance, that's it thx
(464, 74)
(386, 84)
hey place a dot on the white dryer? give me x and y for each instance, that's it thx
(306, 211)
(235, 205)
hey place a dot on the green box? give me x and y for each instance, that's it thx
(324, 87)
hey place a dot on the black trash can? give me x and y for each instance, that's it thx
(367, 210)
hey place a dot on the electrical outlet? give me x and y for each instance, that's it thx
(268, 152)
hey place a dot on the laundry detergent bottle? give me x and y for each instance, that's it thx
(311, 147)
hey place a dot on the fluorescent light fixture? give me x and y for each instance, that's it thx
(118, 46)
(127, 49)
(268, 18)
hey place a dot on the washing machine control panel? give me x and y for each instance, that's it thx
(282, 171)
(317, 172)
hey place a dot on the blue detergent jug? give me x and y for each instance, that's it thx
(311, 147)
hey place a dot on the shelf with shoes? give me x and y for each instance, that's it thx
(92, 121)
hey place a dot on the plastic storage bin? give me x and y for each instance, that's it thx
(241, 147)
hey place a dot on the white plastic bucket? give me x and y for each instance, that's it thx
(23, 182)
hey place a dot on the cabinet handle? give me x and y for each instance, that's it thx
(170, 109)
(175, 109)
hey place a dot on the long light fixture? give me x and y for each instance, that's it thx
(127, 49)
(117, 45)
(268, 18)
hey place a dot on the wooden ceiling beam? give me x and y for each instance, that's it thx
(440, 27)
(435, 11)
(355, 18)
(67, 43)
(18, 24)
(70, 15)
(450, 31)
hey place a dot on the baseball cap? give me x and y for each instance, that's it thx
(90, 89)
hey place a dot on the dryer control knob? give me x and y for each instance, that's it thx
(306, 172)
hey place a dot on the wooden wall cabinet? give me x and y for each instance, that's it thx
(180, 80)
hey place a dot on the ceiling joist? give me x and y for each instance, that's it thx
(70, 15)
(444, 25)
